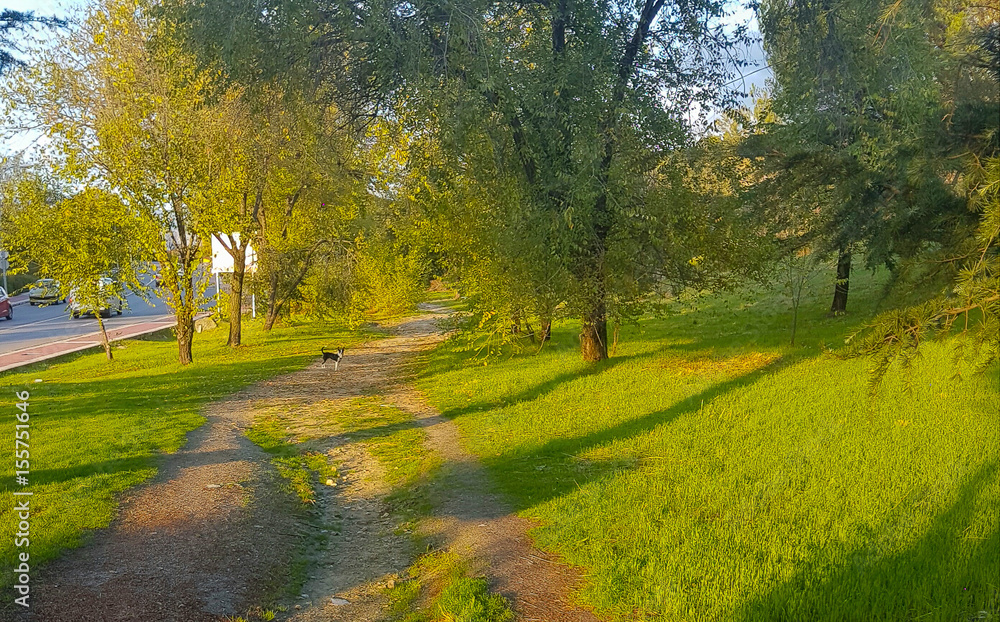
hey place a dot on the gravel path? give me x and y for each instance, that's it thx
(197, 543)
(468, 518)
(208, 536)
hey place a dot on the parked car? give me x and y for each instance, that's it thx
(6, 308)
(44, 291)
(112, 301)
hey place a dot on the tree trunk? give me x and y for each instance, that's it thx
(272, 302)
(839, 306)
(275, 302)
(104, 337)
(546, 332)
(594, 335)
(795, 319)
(239, 254)
(185, 334)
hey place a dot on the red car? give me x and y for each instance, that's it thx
(6, 309)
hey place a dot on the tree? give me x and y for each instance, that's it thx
(875, 98)
(77, 240)
(566, 107)
(12, 22)
(292, 155)
(125, 109)
(972, 304)
(229, 198)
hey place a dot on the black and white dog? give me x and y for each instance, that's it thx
(336, 357)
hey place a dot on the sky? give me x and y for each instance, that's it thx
(755, 75)
(41, 7)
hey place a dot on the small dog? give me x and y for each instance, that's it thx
(336, 357)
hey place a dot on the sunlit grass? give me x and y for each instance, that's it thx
(710, 471)
(440, 587)
(97, 428)
(301, 469)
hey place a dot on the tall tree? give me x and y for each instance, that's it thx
(970, 304)
(125, 108)
(292, 150)
(870, 96)
(566, 106)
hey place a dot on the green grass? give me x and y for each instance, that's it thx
(441, 589)
(97, 428)
(468, 599)
(300, 468)
(388, 433)
(709, 471)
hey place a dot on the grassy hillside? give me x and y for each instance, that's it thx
(98, 427)
(709, 471)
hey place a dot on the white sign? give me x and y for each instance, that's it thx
(222, 261)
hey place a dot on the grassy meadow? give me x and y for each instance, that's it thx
(711, 471)
(97, 427)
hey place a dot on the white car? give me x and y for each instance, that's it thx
(112, 301)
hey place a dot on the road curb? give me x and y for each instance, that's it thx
(86, 341)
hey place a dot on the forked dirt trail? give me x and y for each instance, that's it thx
(208, 537)
(468, 518)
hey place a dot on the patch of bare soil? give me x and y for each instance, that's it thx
(197, 543)
(467, 518)
(209, 537)
(364, 553)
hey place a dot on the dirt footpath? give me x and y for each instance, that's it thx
(468, 519)
(201, 541)
(209, 538)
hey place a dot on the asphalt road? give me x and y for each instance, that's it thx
(35, 326)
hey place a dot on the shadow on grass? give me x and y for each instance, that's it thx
(541, 473)
(41, 477)
(162, 335)
(532, 488)
(940, 577)
(543, 388)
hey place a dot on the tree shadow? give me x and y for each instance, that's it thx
(557, 458)
(543, 388)
(945, 575)
(42, 477)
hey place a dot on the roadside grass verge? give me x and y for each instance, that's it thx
(710, 471)
(98, 427)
